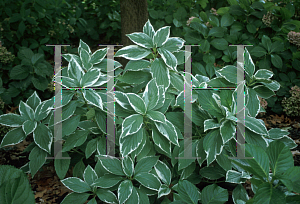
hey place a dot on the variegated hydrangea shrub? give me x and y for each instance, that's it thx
(149, 126)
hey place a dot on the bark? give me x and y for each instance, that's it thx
(134, 15)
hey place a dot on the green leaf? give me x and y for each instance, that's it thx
(133, 52)
(135, 77)
(200, 27)
(62, 165)
(160, 141)
(137, 103)
(214, 194)
(223, 161)
(239, 194)
(106, 196)
(107, 181)
(293, 174)
(124, 190)
(164, 190)
(98, 56)
(76, 184)
(277, 46)
(168, 130)
(148, 29)
(258, 51)
(219, 43)
(90, 148)
(132, 124)
(249, 65)
(134, 197)
(93, 98)
(280, 156)
(227, 20)
(75, 139)
(83, 45)
(227, 131)
(216, 32)
(150, 95)
(73, 197)
(29, 126)
(181, 56)
(127, 165)
(263, 74)
(161, 36)
(141, 39)
(212, 145)
(13, 137)
(188, 191)
(156, 116)
(211, 124)
(19, 72)
(266, 194)
(161, 73)
(234, 177)
(143, 196)
(42, 136)
(163, 172)
(173, 44)
(260, 161)
(38, 57)
(148, 180)
(208, 103)
(229, 72)
(75, 70)
(37, 159)
(131, 143)
(89, 175)
(26, 111)
(253, 102)
(12, 120)
(90, 78)
(21, 28)
(212, 173)
(276, 61)
(137, 65)
(15, 187)
(168, 57)
(33, 101)
(263, 91)
(112, 165)
(266, 41)
(146, 164)
(255, 125)
(251, 28)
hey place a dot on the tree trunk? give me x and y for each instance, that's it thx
(134, 15)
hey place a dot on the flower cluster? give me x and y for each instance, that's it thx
(268, 19)
(263, 103)
(5, 56)
(214, 11)
(189, 21)
(51, 32)
(70, 28)
(294, 38)
(292, 104)
(51, 86)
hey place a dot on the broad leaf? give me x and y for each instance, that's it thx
(76, 184)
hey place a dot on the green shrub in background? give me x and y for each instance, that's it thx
(149, 96)
(27, 26)
(33, 24)
(264, 24)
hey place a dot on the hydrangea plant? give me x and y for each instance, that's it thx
(149, 105)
